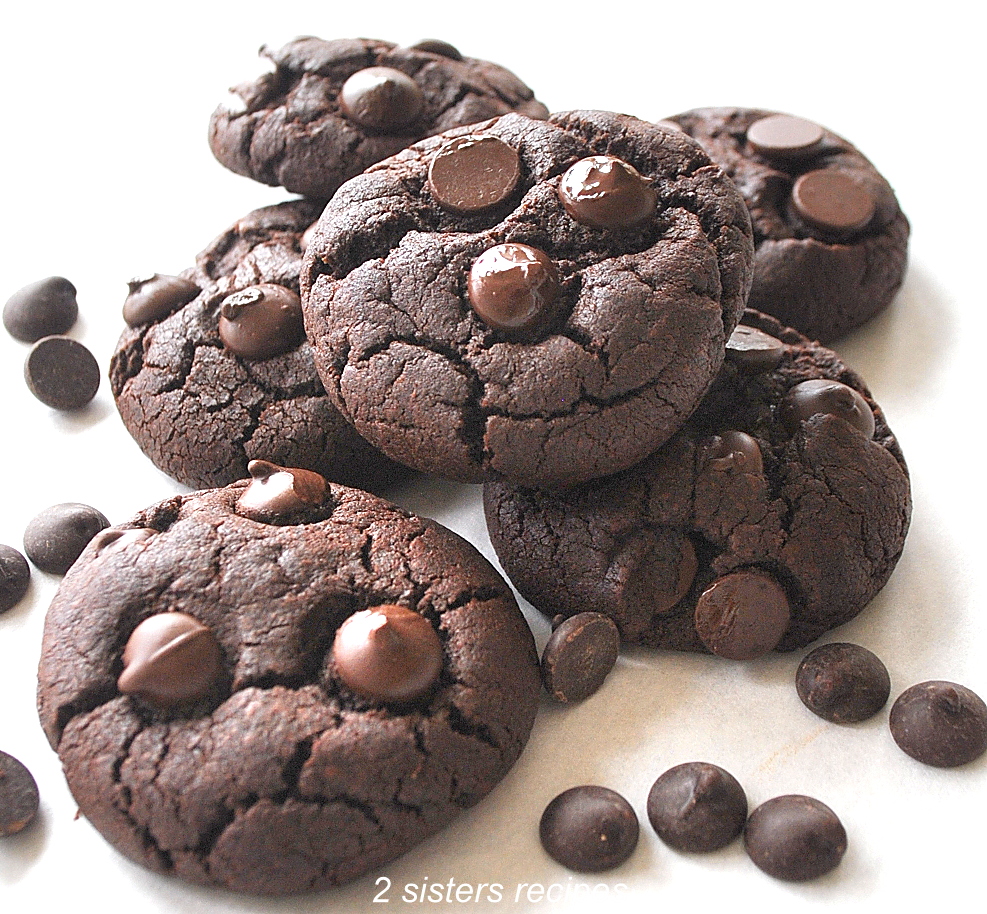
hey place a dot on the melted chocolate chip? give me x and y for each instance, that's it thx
(579, 655)
(47, 307)
(822, 396)
(753, 349)
(19, 798)
(784, 137)
(833, 201)
(513, 287)
(262, 321)
(116, 539)
(154, 297)
(795, 838)
(605, 192)
(589, 829)
(733, 452)
(940, 723)
(279, 494)
(742, 615)
(472, 173)
(437, 46)
(842, 683)
(381, 98)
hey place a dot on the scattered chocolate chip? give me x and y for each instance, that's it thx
(822, 396)
(833, 201)
(389, 653)
(940, 723)
(171, 658)
(697, 807)
(513, 287)
(784, 137)
(580, 653)
(381, 98)
(280, 494)
(47, 307)
(153, 298)
(843, 683)
(733, 452)
(742, 615)
(753, 349)
(589, 829)
(605, 192)
(472, 173)
(61, 373)
(18, 796)
(15, 576)
(437, 46)
(261, 321)
(55, 537)
(795, 838)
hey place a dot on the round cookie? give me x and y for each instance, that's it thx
(221, 743)
(330, 109)
(173, 371)
(775, 514)
(831, 241)
(543, 301)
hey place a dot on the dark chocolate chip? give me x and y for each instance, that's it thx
(381, 98)
(154, 297)
(940, 723)
(472, 173)
(514, 287)
(822, 396)
(697, 807)
(795, 838)
(784, 137)
(733, 452)
(843, 683)
(55, 537)
(605, 192)
(18, 796)
(579, 655)
(15, 576)
(753, 349)
(279, 493)
(833, 201)
(61, 373)
(171, 658)
(47, 307)
(742, 615)
(261, 321)
(116, 539)
(389, 653)
(437, 46)
(589, 829)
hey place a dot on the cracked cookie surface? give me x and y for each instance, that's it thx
(279, 778)
(815, 504)
(639, 325)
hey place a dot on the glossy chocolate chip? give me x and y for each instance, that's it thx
(940, 723)
(55, 537)
(733, 452)
(784, 137)
(15, 576)
(154, 297)
(62, 373)
(279, 494)
(589, 829)
(833, 201)
(472, 173)
(19, 798)
(388, 653)
(116, 539)
(261, 321)
(47, 307)
(742, 615)
(697, 807)
(580, 653)
(753, 350)
(382, 99)
(843, 683)
(514, 287)
(171, 658)
(821, 396)
(437, 46)
(605, 192)
(795, 838)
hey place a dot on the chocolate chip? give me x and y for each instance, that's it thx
(154, 297)
(843, 683)
(279, 494)
(605, 192)
(833, 201)
(940, 723)
(47, 307)
(171, 658)
(753, 349)
(381, 98)
(514, 287)
(795, 838)
(733, 452)
(472, 173)
(15, 576)
(784, 137)
(697, 807)
(824, 397)
(18, 796)
(389, 653)
(437, 46)
(61, 373)
(589, 829)
(55, 537)
(117, 539)
(262, 321)
(579, 655)
(742, 615)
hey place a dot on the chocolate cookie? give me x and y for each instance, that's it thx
(330, 109)
(777, 512)
(214, 370)
(279, 685)
(543, 301)
(831, 241)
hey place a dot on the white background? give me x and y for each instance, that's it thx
(106, 174)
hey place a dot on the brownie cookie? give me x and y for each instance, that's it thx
(775, 514)
(213, 369)
(279, 685)
(543, 301)
(831, 241)
(330, 109)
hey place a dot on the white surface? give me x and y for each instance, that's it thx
(106, 174)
